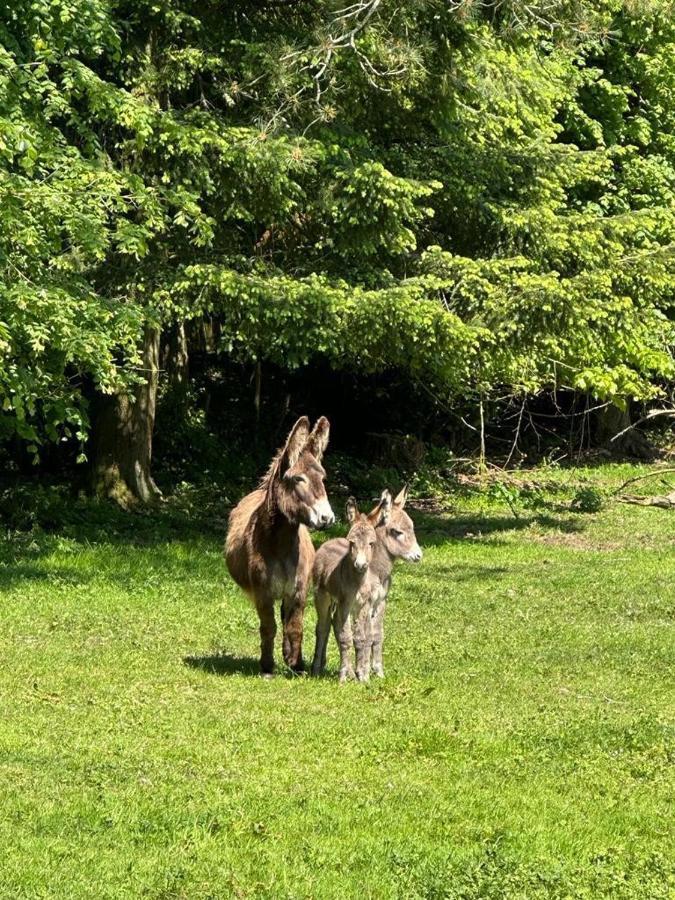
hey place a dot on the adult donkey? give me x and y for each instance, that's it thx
(268, 550)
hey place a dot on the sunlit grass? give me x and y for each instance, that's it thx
(522, 744)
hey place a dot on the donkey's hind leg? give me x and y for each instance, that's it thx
(268, 630)
(377, 626)
(322, 602)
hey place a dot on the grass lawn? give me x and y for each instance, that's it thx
(522, 744)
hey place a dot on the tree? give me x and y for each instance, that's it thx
(480, 194)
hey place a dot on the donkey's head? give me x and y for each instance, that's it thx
(398, 533)
(297, 476)
(362, 537)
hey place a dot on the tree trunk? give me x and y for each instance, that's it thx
(175, 362)
(175, 359)
(613, 432)
(122, 436)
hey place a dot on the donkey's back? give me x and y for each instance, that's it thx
(327, 562)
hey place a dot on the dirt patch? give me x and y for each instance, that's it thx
(580, 541)
(576, 541)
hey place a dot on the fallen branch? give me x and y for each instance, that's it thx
(667, 501)
(642, 477)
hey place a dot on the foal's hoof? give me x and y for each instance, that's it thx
(378, 671)
(345, 675)
(297, 667)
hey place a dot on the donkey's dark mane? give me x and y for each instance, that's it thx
(268, 479)
(272, 470)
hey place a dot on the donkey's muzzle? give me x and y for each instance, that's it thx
(322, 516)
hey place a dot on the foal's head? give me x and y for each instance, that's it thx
(362, 537)
(297, 476)
(398, 534)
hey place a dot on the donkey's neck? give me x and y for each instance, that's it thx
(272, 521)
(382, 562)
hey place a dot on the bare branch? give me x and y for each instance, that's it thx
(650, 415)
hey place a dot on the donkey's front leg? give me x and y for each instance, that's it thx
(377, 625)
(268, 629)
(342, 626)
(293, 612)
(363, 640)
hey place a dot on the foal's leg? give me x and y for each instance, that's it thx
(363, 640)
(322, 602)
(268, 630)
(293, 612)
(342, 626)
(377, 625)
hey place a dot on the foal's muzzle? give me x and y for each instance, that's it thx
(415, 554)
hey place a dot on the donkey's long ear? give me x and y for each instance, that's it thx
(380, 515)
(295, 441)
(401, 497)
(318, 439)
(351, 510)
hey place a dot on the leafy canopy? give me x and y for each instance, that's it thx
(478, 193)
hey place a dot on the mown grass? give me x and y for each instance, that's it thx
(522, 744)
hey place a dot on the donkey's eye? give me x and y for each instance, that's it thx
(395, 532)
(299, 479)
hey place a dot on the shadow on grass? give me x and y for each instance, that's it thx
(44, 517)
(228, 664)
(224, 664)
(463, 572)
(434, 530)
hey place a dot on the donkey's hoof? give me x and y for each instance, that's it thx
(362, 676)
(345, 675)
(268, 676)
(377, 671)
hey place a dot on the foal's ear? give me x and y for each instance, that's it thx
(318, 439)
(351, 510)
(380, 515)
(295, 442)
(401, 497)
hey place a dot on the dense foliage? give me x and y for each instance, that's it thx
(477, 193)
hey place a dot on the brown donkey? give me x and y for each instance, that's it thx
(268, 550)
(352, 577)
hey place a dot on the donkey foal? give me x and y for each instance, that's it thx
(352, 577)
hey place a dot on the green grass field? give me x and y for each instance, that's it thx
(522, 744)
